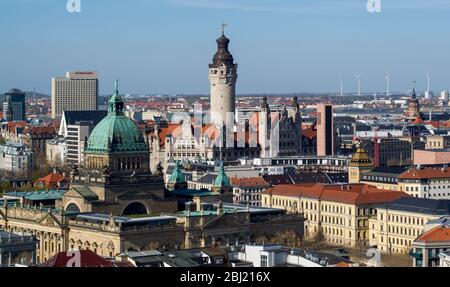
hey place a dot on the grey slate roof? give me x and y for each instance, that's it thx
(420, 205)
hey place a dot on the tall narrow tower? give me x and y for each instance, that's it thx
(222, 77)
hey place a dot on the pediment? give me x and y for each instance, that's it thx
(49, 220)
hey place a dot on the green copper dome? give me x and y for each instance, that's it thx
(116, 132)
(177, 176)
(222, 180)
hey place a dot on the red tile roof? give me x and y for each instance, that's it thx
(169, 130)
(51, 179)
(40, 130)
(249, 182)
(87, 259)
(349, 193)
(437, 234)
(425, 173)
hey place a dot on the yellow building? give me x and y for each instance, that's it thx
(339, 214)
(397, 224)
(383, 177)
(359, 165)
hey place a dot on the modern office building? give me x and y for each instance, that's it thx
(325, 130)
(75, 91)
(14, 106)
(76, 126)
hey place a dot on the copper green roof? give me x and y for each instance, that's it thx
(38, 195)
(222, 180)
(177, 176)
(116, 132)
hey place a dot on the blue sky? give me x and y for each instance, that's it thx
(164, 46)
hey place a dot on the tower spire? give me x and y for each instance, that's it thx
(222, 28)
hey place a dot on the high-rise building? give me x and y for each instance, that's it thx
(14, 106)
(222, 77)
(325, 130)
(78, 91)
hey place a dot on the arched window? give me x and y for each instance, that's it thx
(73, 208)
(134, 209)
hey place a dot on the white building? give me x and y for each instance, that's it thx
(76, 126)
(274, 255)
(429, 182)
(56, 151)
(247, 191)
(16, 158)
(75, 91)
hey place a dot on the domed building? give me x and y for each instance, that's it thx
(116, 142)
(116, 177)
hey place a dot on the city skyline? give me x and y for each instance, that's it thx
(289, 49)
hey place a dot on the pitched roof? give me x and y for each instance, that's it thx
(350, 193)
(420, 205)
(425, 173)
(51, 179)
(249, 182)
(437, 234)
(36, 130)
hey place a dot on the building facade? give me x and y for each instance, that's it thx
(397, 224)
(429, 182)
(325, 130)
(248, 191)
(16, 158)
(76, 126)
(337, 214)
(76, 91)
(14, 106)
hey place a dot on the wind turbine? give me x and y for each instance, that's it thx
(358, 77)
(387, 84)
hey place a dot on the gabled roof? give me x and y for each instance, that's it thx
(51, 179)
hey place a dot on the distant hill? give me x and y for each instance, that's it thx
(30, 95)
